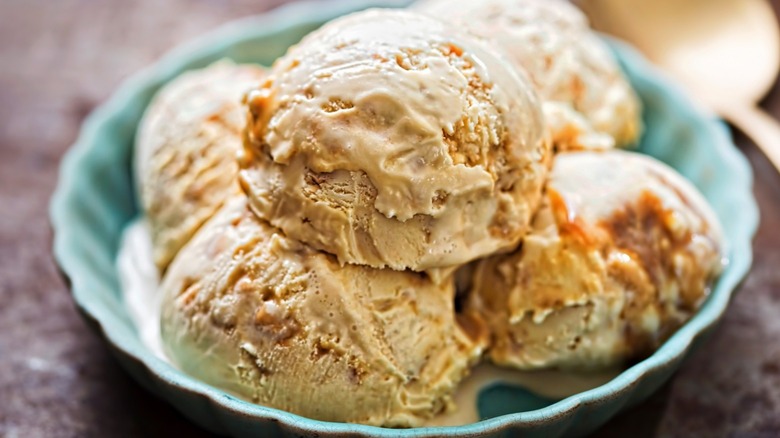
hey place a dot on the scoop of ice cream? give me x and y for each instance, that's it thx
(268, 318)
(186, 151)
(389, 139)
(572, 69)
(622, 252)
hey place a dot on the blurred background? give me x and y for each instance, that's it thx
(59, 59)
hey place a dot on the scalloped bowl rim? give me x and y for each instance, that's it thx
(308, 12)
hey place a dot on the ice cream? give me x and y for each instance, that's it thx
(268, 318)
(186, 151)
(587, 100)
(390, 139)
(621, 254)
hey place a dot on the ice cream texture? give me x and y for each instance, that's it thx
(269, 319)
(312, 223)
(588, 102)
(186, 151)
(621, 254)
(390, 139)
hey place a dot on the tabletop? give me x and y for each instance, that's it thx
(58, 60)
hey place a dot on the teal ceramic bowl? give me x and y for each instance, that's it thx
(94, 201)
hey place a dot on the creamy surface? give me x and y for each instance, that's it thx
(389, 139)
(140, 282)
(249, 310)
(589, 103)
(551, 384)
(622, 253)
(185, 152)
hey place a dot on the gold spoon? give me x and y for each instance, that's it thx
(726, 52)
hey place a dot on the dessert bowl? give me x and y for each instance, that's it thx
(95, 200)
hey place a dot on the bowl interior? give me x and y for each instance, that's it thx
(95, 200)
